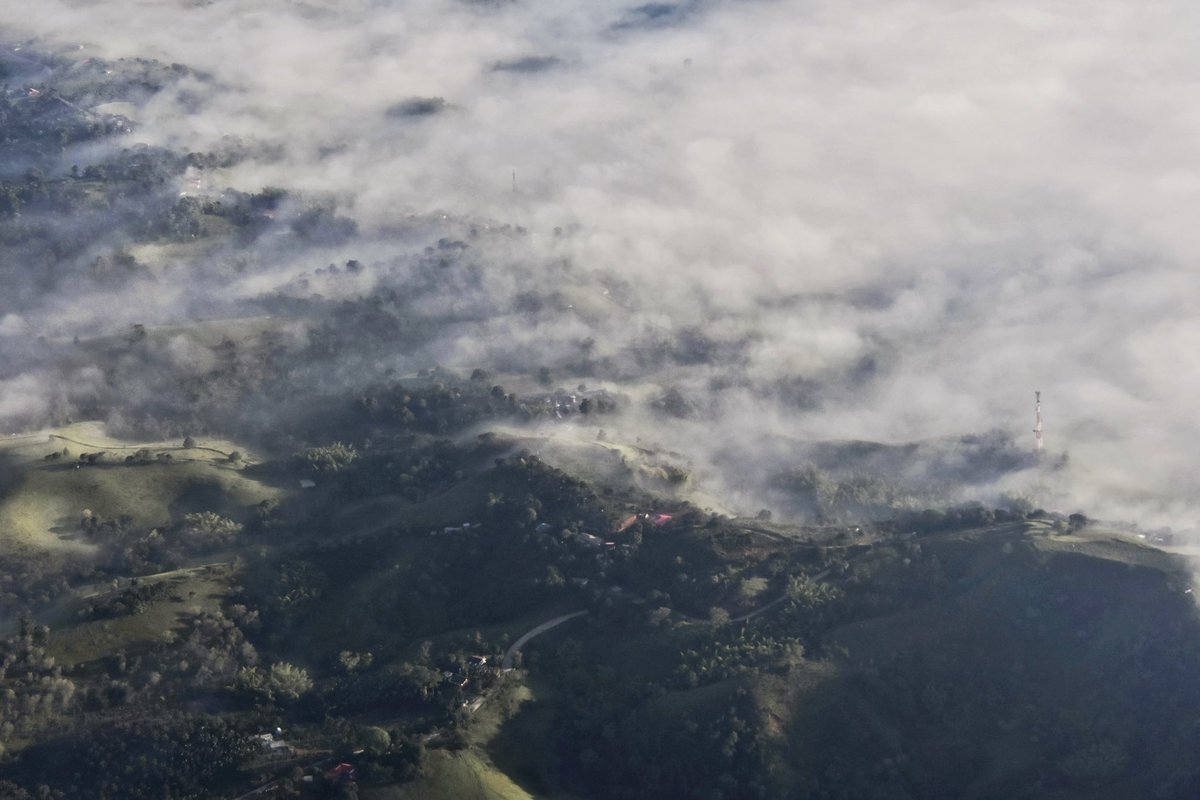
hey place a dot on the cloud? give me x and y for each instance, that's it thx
(927, 210)
(12, 325)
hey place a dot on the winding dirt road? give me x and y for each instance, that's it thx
(511, 653)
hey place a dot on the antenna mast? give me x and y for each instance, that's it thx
(1038, 445)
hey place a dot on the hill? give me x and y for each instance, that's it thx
(1007, 661)
(52, 477)
(969, 651)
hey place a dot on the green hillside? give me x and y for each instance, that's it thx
(999, 662)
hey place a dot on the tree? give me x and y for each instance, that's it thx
(188, 442)
(332, 458)
(808, 594)
(658, 616)
(375, 740)
(282, 682)
(352, 661)
(207, 528)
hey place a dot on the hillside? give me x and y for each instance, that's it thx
(51, 478)
(974, 651)
(491, 401)
(360, 594)
(972, 663)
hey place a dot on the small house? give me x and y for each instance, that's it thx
(342, 773)
(273, 743)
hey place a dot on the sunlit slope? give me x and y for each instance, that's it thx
(42, 499)
(80, 637)
(461, 775)
(578, 451)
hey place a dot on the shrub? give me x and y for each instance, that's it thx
(332, 458)
(208, 529)
(287, 681)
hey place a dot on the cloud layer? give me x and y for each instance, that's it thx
(928, 210)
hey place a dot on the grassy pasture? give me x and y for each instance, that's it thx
(41, 501)
(463, 775)
(192, 591)
(576, 451)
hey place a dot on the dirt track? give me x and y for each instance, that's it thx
(511, 653)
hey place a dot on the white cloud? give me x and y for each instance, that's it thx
(1017, 184)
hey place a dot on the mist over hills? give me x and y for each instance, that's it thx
(880, 225)
(457, 398)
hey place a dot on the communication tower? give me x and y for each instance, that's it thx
(1038, 445)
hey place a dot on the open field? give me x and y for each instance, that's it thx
(204, 333)
(1112, 545)
(462, 775)
(191, 592)
(41, 500)
(500, 747)
(577, 451)
(463, 502)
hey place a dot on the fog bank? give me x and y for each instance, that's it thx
(813, 221)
